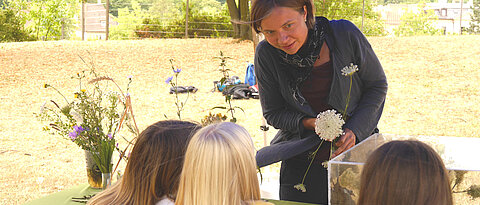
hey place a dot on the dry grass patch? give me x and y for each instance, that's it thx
(433, 90)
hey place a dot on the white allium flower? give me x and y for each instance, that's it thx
(328, 125)
(349, 70)
(77, 117)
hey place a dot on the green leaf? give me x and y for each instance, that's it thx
(236, 107)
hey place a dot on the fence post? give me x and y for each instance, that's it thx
(107, 18)
(461, 11)
(83, 20)
(186, 21)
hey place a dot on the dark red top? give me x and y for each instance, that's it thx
(317, 87)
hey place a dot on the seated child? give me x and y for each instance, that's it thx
(153, 169)
(404, 172)
(219, 168)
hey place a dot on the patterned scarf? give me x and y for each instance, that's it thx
(301, 63)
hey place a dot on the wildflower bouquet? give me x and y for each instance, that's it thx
(328, 125)
(92, 119)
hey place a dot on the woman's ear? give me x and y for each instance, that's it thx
(305, 13)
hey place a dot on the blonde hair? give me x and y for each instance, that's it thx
(219, 168)
(154, 166)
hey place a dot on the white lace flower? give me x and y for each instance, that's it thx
(328, 125)
(349, 70)
(300, 187)
(77, 117)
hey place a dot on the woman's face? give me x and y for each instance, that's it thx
(285, 29)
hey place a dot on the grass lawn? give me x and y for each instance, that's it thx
(434, 86)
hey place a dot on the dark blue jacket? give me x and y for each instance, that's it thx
(281, 110)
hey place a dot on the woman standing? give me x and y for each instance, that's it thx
(298, 69)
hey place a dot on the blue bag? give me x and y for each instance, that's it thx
(250, 75)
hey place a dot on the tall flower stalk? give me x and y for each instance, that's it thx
(223, 83)
(328, 125)
(174, 86)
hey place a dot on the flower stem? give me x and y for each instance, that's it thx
(60, 94)
(348, 99)
(314, 154)
(176, 98)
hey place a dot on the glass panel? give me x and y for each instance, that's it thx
(460, 155)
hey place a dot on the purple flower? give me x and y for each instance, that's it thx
(73, 135)
(169, 79)
(177, 70)
(130, 77)
(110, 136)
(116, 145)
(78, 129)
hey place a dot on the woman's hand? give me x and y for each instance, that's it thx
(345, 142)
(309, 123)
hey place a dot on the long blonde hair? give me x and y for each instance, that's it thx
(154, 166)
(219, 168)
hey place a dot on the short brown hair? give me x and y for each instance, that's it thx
(262, 8)
(404, 172)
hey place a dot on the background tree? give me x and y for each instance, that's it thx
(12, 27)
(206, 18)
(417, 22)
(475, 15)
(116, 5)
(352, 10)
(127, 20)
(240, 12)
(3, 4)
(46, 18)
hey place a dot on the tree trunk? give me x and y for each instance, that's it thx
(240, 13)
(245, 32)
(234, 16)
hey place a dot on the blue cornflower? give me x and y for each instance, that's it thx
(130, 77)
(73, 135)
(78, 129)
(110, 136)
(169, 79)
(177, 70)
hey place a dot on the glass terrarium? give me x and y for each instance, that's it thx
(460, 155)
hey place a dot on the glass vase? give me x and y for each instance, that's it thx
(106, 180)
(93, 172)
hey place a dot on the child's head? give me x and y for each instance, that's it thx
(219, 167)
(404, 172)
(154, 166)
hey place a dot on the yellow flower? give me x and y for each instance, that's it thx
(76, 95)
(83, 90)
(45, 85)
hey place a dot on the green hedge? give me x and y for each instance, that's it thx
(12, 28)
